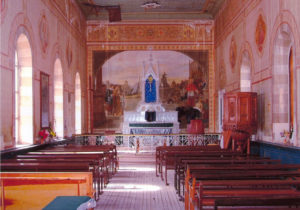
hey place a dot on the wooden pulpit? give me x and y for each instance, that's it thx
(240, 119)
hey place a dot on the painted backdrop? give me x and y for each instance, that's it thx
(183, 84)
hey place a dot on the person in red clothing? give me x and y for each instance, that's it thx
(191, 93)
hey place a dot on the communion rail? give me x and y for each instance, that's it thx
(149, 142)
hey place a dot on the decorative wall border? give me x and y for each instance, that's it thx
(189, 32)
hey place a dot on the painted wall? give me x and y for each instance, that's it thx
(187, 37)
(55, 29)
(264, 30)
(178, 74)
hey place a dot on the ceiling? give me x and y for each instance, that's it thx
(132, 10)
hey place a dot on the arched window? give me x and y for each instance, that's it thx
(23, 127)
(245, 84)
(58, 99)
(283, 85)
(77, 104)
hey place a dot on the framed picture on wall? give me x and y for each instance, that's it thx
(44, 100)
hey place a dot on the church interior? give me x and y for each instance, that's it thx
(159, 104)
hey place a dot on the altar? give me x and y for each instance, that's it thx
(165, 123)
(160, 121)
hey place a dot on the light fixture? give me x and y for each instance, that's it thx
(150, 5)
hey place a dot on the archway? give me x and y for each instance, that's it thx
(58, 99)
(23, 126)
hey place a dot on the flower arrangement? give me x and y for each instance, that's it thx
(51, 133)
(43, 135)
(287, 134)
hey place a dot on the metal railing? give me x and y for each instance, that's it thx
(149, 142)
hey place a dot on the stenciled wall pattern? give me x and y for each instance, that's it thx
(185, 32)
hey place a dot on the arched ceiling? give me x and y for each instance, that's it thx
(168, 9)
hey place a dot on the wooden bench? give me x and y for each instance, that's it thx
(160, 149)
(236, 172)
(100, 158)
(19, 189)
(99, 174)
(182, 162)
(108, 161)
(54, 167)
(209, 192)
(169, 158)
(109, 152)
(285, 201)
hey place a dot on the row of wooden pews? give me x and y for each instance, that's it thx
(211, 177)
(166, 157)
(71, 169)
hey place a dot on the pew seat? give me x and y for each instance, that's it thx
(34, 190)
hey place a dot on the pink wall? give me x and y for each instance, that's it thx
(238, 20)
(49, 27)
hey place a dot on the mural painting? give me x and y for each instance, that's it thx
(44, 33)
(260, 33)
(232, 54)
(183, 83)
(69, 53)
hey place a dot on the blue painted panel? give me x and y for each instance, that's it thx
(285, 154)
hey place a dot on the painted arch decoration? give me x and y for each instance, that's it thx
(232, 53)
(44, 33)
(260, 33)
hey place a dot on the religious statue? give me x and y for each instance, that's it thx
(108, 98)
(191, 92)
(150, 90)
(117, 108)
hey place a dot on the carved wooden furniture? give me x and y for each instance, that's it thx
(240, 119)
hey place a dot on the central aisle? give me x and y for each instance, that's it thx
(136, 187)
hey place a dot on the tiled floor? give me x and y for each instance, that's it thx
(136, 187)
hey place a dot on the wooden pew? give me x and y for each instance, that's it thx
(109, 152)
(211, 191)
(169, 158)
(26, 190)
(100, 159)
(237, 175)
(235, 172)
(183, 161)
(99, 178)
(160, 149)
(54, 167)
(252, 203)
(109, 159)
